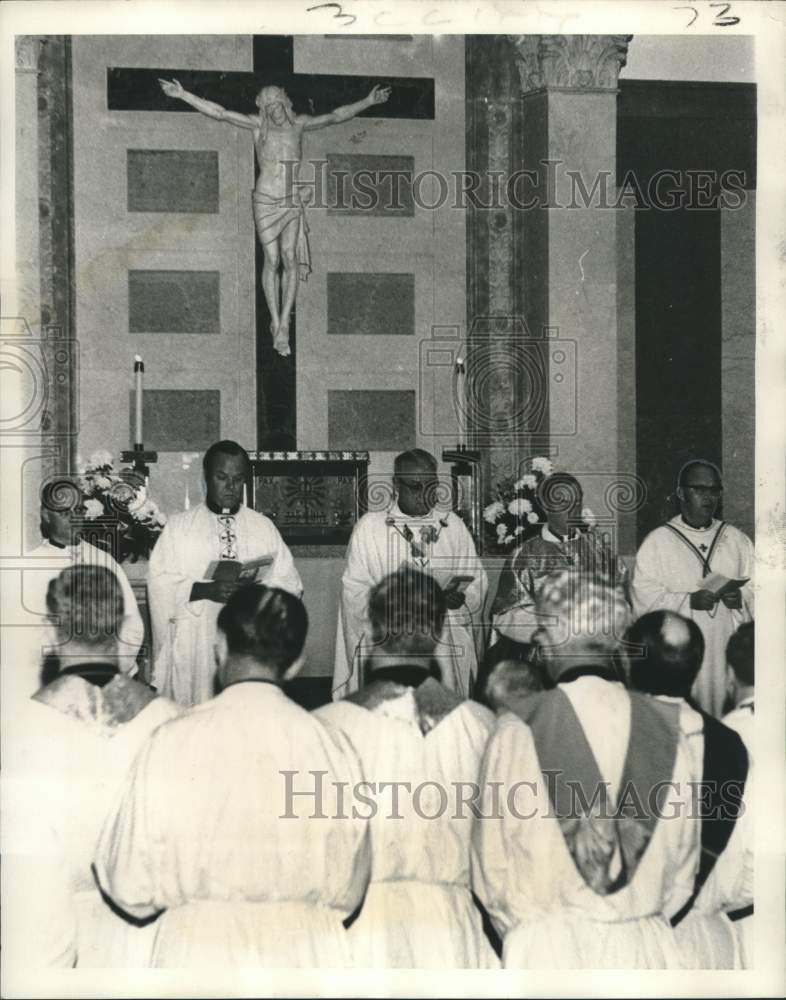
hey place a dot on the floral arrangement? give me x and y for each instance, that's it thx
(516, 512)
(118, 501)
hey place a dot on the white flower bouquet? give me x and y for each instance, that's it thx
(516, 513)
(118, 500)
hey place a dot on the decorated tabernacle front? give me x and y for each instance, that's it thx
(313, 497)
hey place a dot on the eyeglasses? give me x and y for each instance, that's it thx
(706, 491)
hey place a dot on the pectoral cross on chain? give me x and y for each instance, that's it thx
(703, 547)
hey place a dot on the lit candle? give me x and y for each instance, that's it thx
(460, 401)
(139, 370)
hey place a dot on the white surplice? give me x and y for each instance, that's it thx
(378, 548)
(246, 874)
(184, 630)
(418, 911)
(525, 876)
(44, 564)
(65, 765)
(667, 572)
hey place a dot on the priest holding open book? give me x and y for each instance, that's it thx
(203, 555)
(702, 568)
(414, 531)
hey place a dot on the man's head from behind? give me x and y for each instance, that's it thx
(416, 482)
(62, 505)
(85, 605)
(582, 622)
(740, 657)
(665, 652)
(407, 611)
(226, 467)
(261, 632)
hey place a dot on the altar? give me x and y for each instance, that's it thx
(313, 497)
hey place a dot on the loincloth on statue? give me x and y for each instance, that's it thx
(273, 215)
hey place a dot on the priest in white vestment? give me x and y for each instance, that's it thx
(675, 559)
(184, 602)
(574, 873)
(233, 827)
(61, 504)
(69, 749)
(665, 652)
(420, 746)
(413, 531)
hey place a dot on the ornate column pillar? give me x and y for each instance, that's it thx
(28, 293)
(40, 333)
(493, 109)
(568, 85)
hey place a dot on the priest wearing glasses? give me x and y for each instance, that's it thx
(693, 564)
(187, 585)
(415, 531)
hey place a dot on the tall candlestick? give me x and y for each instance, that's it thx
(460, 401)
(139, 370)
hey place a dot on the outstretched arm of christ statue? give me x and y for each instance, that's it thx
(279, 214)
(173, 88)
(378, 95)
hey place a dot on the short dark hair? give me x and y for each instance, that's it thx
(61, 494)
(223, 448)
(418, 457)
(407, 611)
(697, 463)
(665, 652)
(86, 603)
(265, 623)
(740, 653)
(559, 491)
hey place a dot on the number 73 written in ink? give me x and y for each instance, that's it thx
(721, 18)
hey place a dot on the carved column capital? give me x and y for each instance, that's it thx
(27, 50)
(569, 62)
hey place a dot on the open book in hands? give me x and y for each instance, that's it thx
(718, 584)
(232, 571)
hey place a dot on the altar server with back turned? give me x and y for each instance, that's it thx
(222, 831)
(420, 744)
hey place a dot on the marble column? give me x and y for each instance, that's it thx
(44, 306)
(569, 245)
(494, 279)
(23, 451)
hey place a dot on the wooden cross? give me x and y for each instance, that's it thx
(310, 93)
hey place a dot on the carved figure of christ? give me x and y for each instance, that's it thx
(279, 213)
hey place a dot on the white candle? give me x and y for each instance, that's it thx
(245, 498)
(139, 370)
(460, 401)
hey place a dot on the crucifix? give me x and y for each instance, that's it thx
(318, 94)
